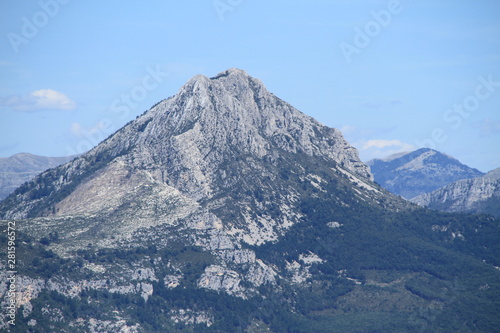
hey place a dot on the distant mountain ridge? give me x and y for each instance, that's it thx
(418, 172)
(20, 168)
(477, 195)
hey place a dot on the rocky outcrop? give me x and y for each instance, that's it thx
(477, 195)
(219, 278)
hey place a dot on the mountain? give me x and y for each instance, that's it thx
(20, 168)
(418, 172)
(225, 209)
(477, 195)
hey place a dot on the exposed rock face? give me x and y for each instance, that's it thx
(418, 172)
(221, 207)
(196, 149)
(217, 278)
(185, 141)
(477, 195)
(20, 168)
(202, 166)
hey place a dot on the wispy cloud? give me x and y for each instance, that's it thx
(43, 99)
(78, 130)
(9, 147)
(384, 104)
(487, 126)
(380, 148)
(88, 137)
(355, 133)
(380, 143)
(347, 129)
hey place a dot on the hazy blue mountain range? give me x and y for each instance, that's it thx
(225, 209)
(20, 168)
(421, 171)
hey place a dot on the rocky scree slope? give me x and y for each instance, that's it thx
(418, 172)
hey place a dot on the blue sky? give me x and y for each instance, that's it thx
(392, 75)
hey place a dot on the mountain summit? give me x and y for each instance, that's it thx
(225, 209)
(234, 112)
(216, 139)
(418, 172)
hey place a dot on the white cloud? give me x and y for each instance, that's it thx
(77, 129)
(487, 126)
(385, 143)
(383, 104)
(347, 129)
(43, 99)
(380, 148)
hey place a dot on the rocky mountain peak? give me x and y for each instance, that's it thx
(234, 112)
(421, 171)
(232, 94)
(234, 82)
(187, 142)
(225, 209)
(234, 75)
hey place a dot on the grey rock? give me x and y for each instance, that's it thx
(477, 195)
(220, 167)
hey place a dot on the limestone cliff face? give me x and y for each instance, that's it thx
(467, 195)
